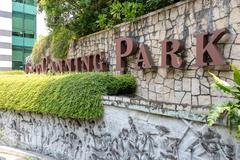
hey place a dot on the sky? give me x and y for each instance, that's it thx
(41, 25)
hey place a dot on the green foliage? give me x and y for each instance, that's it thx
(125, 84)
(116, 10)
(155, 4)
(131, 10)
(120, 12)
(15, 72)
(70, 19)
(83, 17)
(61, 40)
(40, 48)
(79, 16)
(67, 96)
(102, 20)
(229, 109)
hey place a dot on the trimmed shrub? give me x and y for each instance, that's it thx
(15, 72)
(77, 96)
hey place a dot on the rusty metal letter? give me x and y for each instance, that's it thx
(70, 64)
(87, 63)
(207, 51)
(170, 50)
(99, 62)
(78, 64)
(144, 60)
(124, 48)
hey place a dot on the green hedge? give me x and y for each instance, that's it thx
(68, 96)
(15, 72)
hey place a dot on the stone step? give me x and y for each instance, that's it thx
(7, 153)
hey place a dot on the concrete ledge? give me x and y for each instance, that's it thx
(188, 112)
(7, 153)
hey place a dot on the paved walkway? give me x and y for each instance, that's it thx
(7, 153)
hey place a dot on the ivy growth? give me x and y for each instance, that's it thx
(230, 109)
(40, 48)
(61, 40)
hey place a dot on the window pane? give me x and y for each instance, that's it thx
(19, 34)
(30, 2)
(17, 21)
(17, 54)
(29, 24)
(27, 52)
(17, 65)
(19, 1)
(27, 35)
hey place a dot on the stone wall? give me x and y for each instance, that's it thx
(128, 135)
(191, 85)
(167, 118)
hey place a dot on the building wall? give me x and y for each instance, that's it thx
(190, 85)
(17, 33)
(6, 35)
(24, 31)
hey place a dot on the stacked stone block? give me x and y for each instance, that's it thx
(190, 85)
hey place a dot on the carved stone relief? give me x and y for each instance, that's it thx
(121, 135)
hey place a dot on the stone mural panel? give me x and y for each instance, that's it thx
(128, 135)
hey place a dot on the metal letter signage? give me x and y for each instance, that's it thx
(144, 60)
(207, 52)
(124, 48)
(170, 51)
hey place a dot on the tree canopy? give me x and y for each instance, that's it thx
(70, 19)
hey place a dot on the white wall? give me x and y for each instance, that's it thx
(4, 51)
(5, 35)
(6, 64)
(6, 5)
(5, 23)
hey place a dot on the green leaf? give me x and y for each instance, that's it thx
(222, 85)
(236, 75)
(216, 111)
(238, 132)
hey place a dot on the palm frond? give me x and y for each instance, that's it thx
(216, 111)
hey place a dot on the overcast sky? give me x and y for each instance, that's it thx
(41, 25)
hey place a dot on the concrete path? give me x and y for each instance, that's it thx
(7, 153)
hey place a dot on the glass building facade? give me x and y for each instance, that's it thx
(23, 31)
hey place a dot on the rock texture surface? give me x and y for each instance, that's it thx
(122, 134)
(168, 122)
(182, 21)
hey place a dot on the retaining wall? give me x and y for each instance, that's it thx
(123, 134)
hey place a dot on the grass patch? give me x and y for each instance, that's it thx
(68, 96)
(15, 72)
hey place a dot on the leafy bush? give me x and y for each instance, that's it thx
(155, 4)
(15, 72)
(40, 48)
(87, 16)
(229, 109)
(71, 19)
(67, 96)
(119, 12)
(79, 16)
